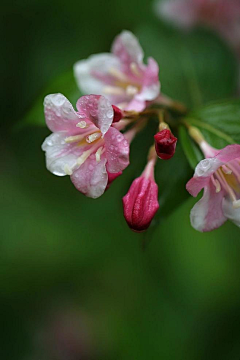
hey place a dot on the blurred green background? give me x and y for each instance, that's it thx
(75, 282)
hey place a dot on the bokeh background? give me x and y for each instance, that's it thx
(75, 282)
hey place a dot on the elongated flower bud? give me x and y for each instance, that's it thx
(140, 204)
(165, 144)
(118, 114)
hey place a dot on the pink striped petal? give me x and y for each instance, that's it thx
(60, 114)
(98, 109)
(91, 177)
(117, 151)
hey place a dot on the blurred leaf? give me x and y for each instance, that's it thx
(218, 122)
(194, 67)
(65, 84)
(190, 149)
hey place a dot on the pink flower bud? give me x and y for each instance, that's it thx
(165, 144)
(118, 114)
(140, 204)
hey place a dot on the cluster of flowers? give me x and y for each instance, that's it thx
(88, 144)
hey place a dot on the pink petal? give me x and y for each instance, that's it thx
(93, 74)
(230, 212)
(60, 115)
(229, 153)
(196, 184)
(127, 48)
(91, 177)
(98, 109)
(207, 214)
(136, 105)
(117, 151)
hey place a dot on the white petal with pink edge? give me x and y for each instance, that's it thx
(127, 48)
(207, 167)
(91, 177)
(93, 74)
(60, 114)
(207, 214)
(231, 212)
(61, 158)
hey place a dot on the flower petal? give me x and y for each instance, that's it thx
(207, 214)
(93, 74)
(207, 167)
(98, 109)
(127, 48)
(117, 151)
(230, 212)
(91, 178)
(196, 184)
(229, 153)
(61, 157)
(60, 114)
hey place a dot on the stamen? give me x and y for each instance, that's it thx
(82, 124)
(113, 90)
(84, 157)
(118, 74)
(72, 139)
(225, 185)
(131, 90)
(99, 153)
(67, 169)
(93, 137)
(216, 183)
(134, 69)
(226, 170)
(234, 170)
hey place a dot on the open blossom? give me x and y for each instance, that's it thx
(120, 75)
(84, 145)
(221, 15)
(219, 175)
(140, 204)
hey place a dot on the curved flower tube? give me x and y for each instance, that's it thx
(83, 144)
(120, 75)
(219, 176)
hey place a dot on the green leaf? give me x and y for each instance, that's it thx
(191, 150)
(64, 84)
(218, 122)
(194, 67)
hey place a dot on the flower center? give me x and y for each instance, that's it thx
(227, 177)
(124, 85)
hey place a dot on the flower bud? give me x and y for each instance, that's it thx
(165, 144)
(118, 114)
(140, 204)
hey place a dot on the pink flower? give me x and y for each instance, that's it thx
(221, 15)
(120, 75)
(140, 204)
(83, 144)
(165, 144)
(219, 175)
